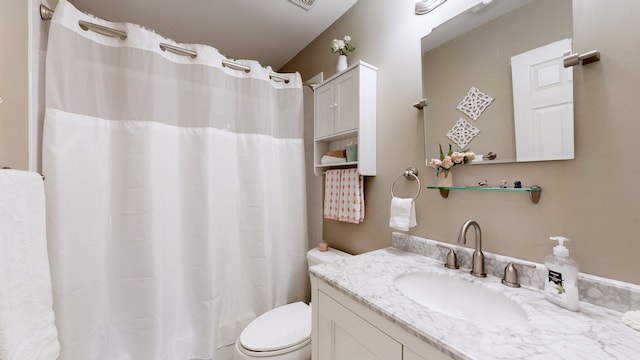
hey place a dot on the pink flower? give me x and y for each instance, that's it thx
(469, 156)
(450, 159)
(435, 163)
(447, 163)
(457, 157)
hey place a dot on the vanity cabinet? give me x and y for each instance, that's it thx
(345, 112)
(344, 329)
(345, 335)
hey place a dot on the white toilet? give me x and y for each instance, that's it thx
(283, 333)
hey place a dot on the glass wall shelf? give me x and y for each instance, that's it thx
(533, 191)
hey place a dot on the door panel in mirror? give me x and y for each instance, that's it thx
(543, 103)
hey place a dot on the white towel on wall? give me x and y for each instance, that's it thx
(27, 329)
(403, 213)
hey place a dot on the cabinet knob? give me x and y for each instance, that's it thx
(335, 105)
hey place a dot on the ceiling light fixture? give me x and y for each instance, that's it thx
(305, 4)
(426, 6)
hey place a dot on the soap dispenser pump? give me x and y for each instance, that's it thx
(561, 287)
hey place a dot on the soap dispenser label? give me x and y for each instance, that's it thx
(555, 287)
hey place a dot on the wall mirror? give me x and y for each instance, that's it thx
(493, 62)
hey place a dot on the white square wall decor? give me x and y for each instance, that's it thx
(475, 103)
(462, 133)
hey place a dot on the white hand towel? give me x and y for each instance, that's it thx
(27, 329)
(403, 214)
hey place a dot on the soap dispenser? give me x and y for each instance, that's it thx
(561, 287)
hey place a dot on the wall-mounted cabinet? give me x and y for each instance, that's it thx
(344, 113)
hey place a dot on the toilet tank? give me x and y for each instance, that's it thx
(315, 256)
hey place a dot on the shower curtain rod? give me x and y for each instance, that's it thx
(46, 13)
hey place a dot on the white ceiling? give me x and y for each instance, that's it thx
(270, 31)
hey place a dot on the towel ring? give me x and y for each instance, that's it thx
(411, 174)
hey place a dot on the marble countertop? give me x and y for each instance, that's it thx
(551, 332)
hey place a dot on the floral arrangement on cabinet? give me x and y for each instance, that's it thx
(450, 159)
(342, 46)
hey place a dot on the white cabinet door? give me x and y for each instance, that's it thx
(408, 354)
(343, 335)
(337, 106)
(324, 111)
(346, 95)
(426, 352)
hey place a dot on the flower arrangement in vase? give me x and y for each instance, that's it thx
(342, 47)
(447, 161)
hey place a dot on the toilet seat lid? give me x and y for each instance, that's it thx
(278, 329)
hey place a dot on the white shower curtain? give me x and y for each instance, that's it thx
(175, 194)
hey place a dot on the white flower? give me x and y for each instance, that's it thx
(335, 45)
(342, 46)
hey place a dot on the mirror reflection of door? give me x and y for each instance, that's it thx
(543, 103)
(474, 48)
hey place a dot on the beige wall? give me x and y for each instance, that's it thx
(594, 199)
(14, 84)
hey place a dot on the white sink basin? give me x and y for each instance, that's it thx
(461, 299)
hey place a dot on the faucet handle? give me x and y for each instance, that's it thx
(452, 259)
(510, 277)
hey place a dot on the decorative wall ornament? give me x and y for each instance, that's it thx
(475, 103)
(462, 133)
